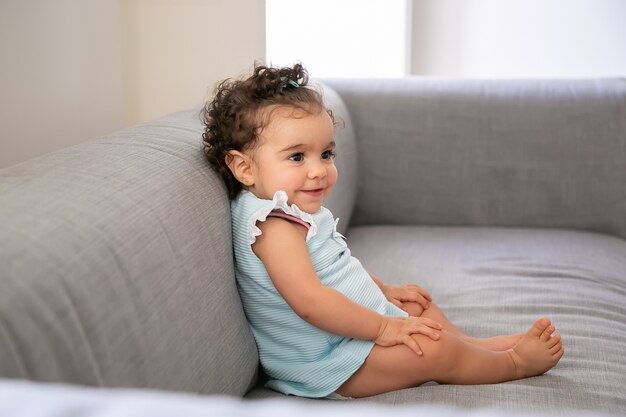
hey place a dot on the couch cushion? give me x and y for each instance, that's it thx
(494, 281)
(498, 281)
(117, 266)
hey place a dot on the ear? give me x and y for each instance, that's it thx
(240, 165)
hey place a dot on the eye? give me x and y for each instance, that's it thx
(329, 154)
(297, 157)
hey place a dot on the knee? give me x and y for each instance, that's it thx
(414, 309)
(440, 353)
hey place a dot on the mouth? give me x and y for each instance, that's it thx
(316, 192)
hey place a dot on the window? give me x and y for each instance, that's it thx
(339, 38)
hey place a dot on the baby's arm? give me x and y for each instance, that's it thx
(295, 279)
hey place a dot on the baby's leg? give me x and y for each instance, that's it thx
(434, 312)
(454, 360)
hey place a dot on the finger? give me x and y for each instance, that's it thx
(420, 293)
(407, 296)
(428, 322)
(425, 294)
(410, 297)
(403, 295)
(418, 289)
(427, 331)
(423, 301)
(396, 303)
(413, 345)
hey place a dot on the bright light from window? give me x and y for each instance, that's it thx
(339, 38)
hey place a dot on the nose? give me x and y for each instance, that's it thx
(316, 170)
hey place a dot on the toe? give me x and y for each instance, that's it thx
(559, 353)
(554, 340)
(555, 348)
(546, 334)
(538, 328)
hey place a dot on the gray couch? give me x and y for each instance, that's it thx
(505, 199)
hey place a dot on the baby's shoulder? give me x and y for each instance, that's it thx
(278, 238)
(249, 212)
(281, 228)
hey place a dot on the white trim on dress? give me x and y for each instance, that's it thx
(279, 202)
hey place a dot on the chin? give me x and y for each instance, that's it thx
(309, 208)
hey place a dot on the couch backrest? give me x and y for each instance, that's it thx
(116, 266)
(533, 153)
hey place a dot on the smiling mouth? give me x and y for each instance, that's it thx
(314, 192)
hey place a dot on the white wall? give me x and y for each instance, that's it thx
(175, 50)
(71, 70)
(60, 79)
(519, 39)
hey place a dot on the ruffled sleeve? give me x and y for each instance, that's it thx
(335, 232)
(279, 203)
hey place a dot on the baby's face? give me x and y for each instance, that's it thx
(296, 154)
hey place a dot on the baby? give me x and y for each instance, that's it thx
(323, 325)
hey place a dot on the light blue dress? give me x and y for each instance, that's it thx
(299, 358)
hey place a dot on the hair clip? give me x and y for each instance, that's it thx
(286, 82)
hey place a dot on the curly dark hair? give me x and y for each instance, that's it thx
(235, 117)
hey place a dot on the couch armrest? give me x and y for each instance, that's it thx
(117, 266)
(532, 153)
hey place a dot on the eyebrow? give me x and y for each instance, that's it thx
(331, 144)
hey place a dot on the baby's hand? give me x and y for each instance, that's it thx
(397, 295)
(398, 330)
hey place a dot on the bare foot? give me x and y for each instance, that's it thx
(538, 350)
(496, 343)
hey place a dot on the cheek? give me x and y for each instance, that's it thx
(286, 177)
(331, 175)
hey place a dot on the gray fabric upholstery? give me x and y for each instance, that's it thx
(117, 266)
(493, 281)
(506, 153)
